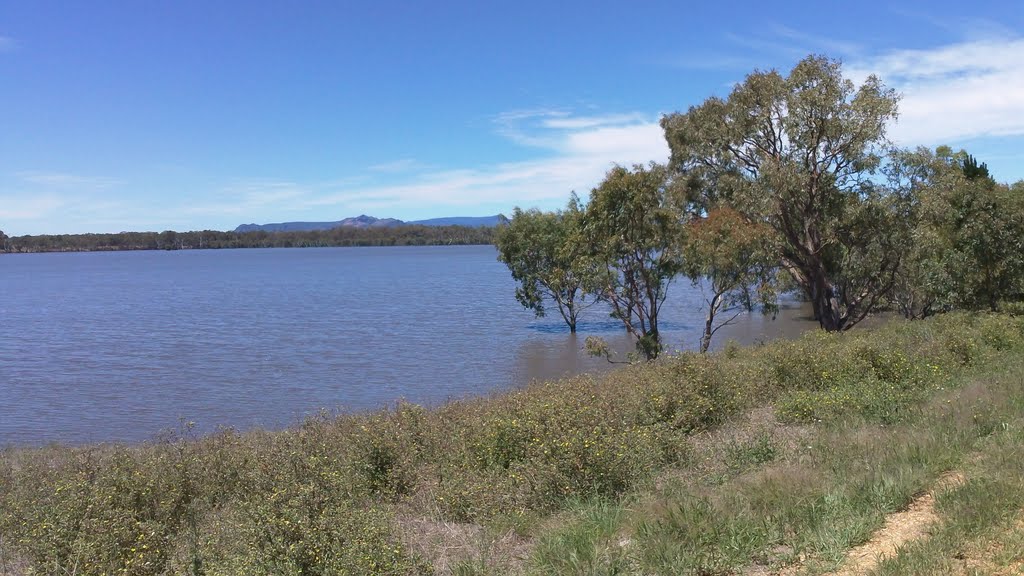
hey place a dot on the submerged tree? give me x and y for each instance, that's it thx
(631, 231)
(733, 262)
(541, 251)
(796, 154)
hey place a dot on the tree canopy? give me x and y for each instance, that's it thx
(541, 250)
(796, 153)
(732, 262)
(967, 244)
(632, 232)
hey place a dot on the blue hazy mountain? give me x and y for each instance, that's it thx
(364, 221)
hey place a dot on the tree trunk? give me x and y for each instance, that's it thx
(709, 322)
(827, 308)
(705, 340)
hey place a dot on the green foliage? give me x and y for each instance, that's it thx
(586, 545)
(736, 259)
(542, 252)
(966, 247)
(988, 248)
(298, 529)
(761, 449)
(794, 153)
(973, 171)
(386, 448)
(220, 505)
(631, 232)
(866, 379)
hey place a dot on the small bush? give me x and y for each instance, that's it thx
(298, 532)
(386, 450)
(741, 455)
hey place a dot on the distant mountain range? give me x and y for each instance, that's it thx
(364, 221)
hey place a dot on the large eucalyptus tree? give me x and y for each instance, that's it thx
(797, 153)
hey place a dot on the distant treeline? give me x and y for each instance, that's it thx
(171, 240)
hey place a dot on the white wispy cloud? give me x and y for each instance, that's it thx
(40, 201)
(568, 122)
(575, 153)
(951, 93)
(803, 41)
(7, 44)
(247, 196)
(67, 180)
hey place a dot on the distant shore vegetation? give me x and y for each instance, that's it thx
(413, 235)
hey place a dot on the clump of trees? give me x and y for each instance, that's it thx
(791, 180)
(796, 154)
(965, 248)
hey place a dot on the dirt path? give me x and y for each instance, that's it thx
(899, 529)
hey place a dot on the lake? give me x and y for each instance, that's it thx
(117, 346)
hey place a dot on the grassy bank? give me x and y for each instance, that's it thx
(767, 458)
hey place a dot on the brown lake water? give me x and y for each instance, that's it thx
(118, 346)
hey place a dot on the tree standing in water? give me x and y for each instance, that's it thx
(796, 153)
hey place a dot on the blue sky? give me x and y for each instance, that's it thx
(192, 115)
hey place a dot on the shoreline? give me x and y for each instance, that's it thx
(792, 322)
(535, 458)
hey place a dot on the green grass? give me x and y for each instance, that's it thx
(584, 541)
(802, 501)
(785, 453)
(982, 521)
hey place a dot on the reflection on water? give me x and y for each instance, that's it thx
(560, 353)
(793, 319)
